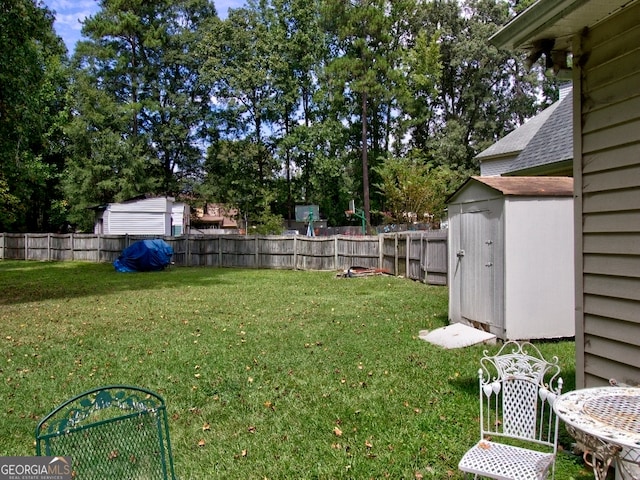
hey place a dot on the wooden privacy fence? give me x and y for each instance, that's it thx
(417, 255)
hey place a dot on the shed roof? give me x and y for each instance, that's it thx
(523, 186)
(530, 186)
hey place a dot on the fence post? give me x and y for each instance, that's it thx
(428, 257)
(256, 262)
(295, 252)
(335, 252)
(187, 253)
(396, 260)
(424, 256)
(381, 251)
(407, 256)
(26, 246)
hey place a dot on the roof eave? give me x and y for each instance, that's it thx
(557, 20)
(497, 156)
(559, 168)
(536, 18)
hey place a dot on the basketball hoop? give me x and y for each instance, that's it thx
(353, 212)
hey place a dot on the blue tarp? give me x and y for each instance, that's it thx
(144, 256)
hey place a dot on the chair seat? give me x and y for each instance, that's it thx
(506, 462)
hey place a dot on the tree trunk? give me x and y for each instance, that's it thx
(365, 163)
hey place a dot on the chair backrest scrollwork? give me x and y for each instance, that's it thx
(117, 431)
(517, 390)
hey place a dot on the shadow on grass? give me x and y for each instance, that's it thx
(27, 281)
(467, 385)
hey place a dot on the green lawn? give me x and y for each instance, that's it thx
(267, 374)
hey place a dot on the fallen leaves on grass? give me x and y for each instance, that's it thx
(242, 454)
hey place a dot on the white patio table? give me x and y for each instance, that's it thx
(605, 421)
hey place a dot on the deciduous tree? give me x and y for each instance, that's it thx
(32, 84)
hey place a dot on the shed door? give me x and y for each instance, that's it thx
(478, 232)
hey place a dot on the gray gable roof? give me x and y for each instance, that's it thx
(518, 139)
(552, 143)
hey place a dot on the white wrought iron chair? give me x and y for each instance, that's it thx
(518, 427)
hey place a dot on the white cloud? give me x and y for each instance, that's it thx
(69, 21)
(69, 14)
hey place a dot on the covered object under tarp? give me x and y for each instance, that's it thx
(144, 256)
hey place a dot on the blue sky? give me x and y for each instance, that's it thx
(69, 13)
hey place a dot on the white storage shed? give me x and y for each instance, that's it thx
(511, 263)
(147, 216)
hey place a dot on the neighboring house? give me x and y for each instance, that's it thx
(143, 216)
(603, 37)
(550, 151)
(541, 146)
(180, 219)
(497, 159)
(214, 218)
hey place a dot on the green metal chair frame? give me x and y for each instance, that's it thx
(116, 431)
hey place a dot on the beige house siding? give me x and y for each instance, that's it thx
(607, 186)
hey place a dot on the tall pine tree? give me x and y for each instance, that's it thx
(140, 113)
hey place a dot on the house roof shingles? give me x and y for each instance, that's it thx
(518, 139)
(552, 143)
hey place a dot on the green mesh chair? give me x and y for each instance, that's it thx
(113, 432)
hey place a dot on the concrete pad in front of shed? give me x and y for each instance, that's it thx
(457, 335)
